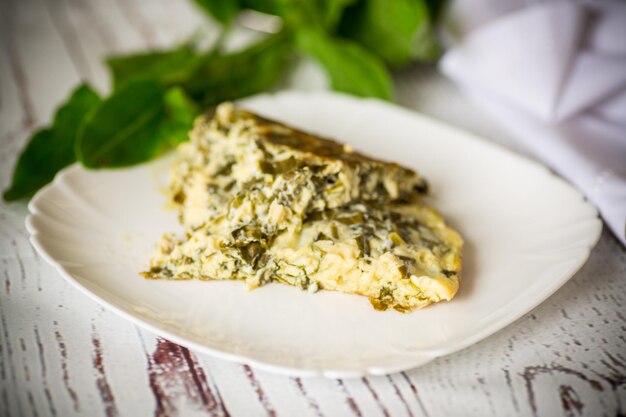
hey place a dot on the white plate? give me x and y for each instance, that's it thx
(526, 232)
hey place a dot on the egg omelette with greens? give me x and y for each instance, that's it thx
(263, 202)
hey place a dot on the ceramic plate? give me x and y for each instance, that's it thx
(526, 232)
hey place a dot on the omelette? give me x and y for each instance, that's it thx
(263, 202)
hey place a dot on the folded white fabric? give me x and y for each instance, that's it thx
(554, 74)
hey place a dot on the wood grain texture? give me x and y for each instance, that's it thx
(63, 355)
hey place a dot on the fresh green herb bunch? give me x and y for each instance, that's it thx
(156, 95)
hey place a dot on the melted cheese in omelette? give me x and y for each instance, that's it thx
(263, 202)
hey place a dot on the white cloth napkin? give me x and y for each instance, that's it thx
(554, 74)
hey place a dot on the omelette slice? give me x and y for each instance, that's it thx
(263, 202)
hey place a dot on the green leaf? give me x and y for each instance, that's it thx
(166, 67)
(263, 6)
(224, 11)
(122, 129)
(221, 77)
(332, 11)
(137, 123)
(321, 14)
(351, 68)
(396, 31)
(435, 8)
(51, 149)
(180, 112)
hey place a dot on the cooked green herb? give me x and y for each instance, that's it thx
(322, 236)
(384, 300)
(396, 239)
(226, 169)
(179, 197)
(362, 242)
(350, 218)
(285, 165)
(251, 252)
(157, 272)
(407, 261)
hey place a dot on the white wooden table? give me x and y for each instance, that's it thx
(63, 355)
